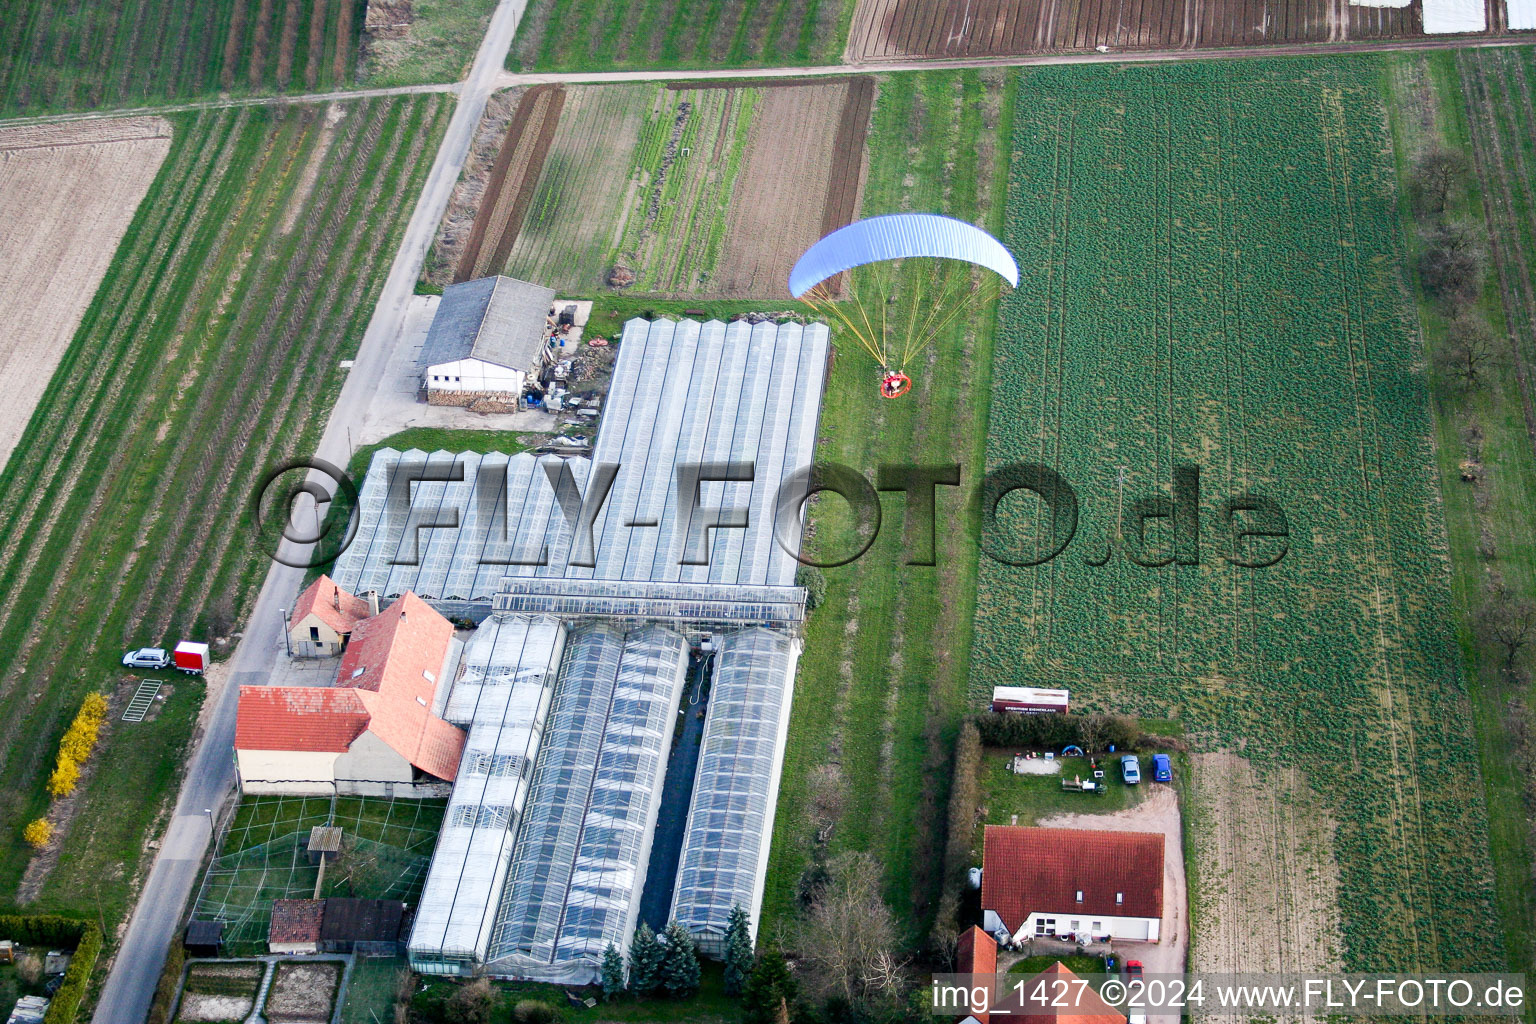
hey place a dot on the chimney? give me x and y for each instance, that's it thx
(1015, 820)
(373, 602)
(336, 597)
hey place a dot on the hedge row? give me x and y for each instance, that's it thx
(1054, 731)
(84, 937)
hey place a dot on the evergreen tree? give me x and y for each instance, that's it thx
(680, 963)
(768, 991)
(645, 956)
(738, 951)
(613, 972)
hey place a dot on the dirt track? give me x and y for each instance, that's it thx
(67, 194)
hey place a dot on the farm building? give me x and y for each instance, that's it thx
(376, 732)
(323, 618)
(570, 688)
(485, 338)
(1028, 700)
(336, 925)
(295, 926)
(682, 393)
(1058, 881)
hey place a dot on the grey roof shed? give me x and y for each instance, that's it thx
(497, 319)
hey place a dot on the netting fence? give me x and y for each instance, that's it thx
(262, 855)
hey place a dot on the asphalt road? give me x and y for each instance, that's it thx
(130, 986)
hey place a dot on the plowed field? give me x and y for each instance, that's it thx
(67, 193)
(902, 29)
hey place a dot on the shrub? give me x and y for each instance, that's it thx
(815, 584)
(532, 1011)
(38, 833)
(64, 779)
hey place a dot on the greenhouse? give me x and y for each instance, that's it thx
(451, 527)
(724, 859)
(502, 697)
(580, 858)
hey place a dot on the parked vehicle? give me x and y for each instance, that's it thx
(1130, 769)
(1133, 968)
(147, 657)
(1162, 768)
(192, 658)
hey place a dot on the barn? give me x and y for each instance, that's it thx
(485, 338)
(375, 732)
(1062, 881)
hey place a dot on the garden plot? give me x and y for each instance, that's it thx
(220, 991)
(67, 194)
(303, 992)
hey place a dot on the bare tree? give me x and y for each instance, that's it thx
(848, 933)
(1437, 175)
(1508, 622)
(1468, 349)
(1451, 265)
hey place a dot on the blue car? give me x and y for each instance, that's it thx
(1162, 768)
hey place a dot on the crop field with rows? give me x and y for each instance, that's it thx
(593, 35)
(1213, 276)
(211, 352)
(84, 54)
(692, 191)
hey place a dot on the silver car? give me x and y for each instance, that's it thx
(147, 657)
(1130, 769)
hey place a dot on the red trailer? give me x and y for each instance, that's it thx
(191, 657)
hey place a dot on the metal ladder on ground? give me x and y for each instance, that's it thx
(143, 700)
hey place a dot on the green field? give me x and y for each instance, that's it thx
(885, 672)
(69, 55)
(211, 351)
(592, 35)
(1255, 321)
(1479, 107)
(439, 46)
(386, 846)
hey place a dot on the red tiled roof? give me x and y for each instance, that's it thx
(387, 680)
(1084, 1005)
(976, 953)
(1041, 870)
(298, 718)
(331, 605)
(393, 649)
(296, 921)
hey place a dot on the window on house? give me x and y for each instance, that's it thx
(359, 671)
(457, 379)
(1119, 897)
(1098, 927)
(1045, 926)
(1079, 895)
(314, 633)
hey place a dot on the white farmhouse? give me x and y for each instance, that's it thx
(485, 337)
(1064, 881)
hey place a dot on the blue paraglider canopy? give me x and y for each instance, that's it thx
(898, 236)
